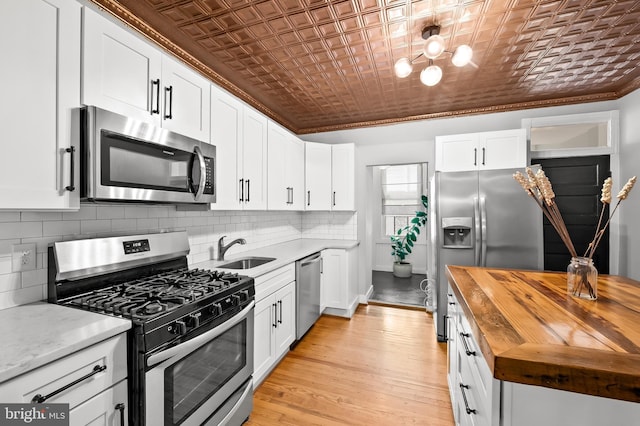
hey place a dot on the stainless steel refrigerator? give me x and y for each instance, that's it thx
(480, 218)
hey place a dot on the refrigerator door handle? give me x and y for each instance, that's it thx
(476, 231)
(483, 222)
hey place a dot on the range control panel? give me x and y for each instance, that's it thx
(137, 246)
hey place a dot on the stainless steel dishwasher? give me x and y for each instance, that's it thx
(308, 272)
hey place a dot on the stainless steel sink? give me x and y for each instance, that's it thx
(246, 263)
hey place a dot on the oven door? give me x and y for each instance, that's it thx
(127, 160)
(188, 383)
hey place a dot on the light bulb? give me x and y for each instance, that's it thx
(434, 46)
(462, 56)
(431, 75)
(403, 67)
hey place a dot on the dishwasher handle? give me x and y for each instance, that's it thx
(310, 260)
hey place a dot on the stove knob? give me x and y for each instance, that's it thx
(244, 295)
(179, 328)
(216, 309)
(194, 320)
(236, 299)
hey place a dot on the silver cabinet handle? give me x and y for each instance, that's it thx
(308, 198)
(280, 316)
(483, 155)
(468, 351)
(475, 156)
(241, 190)
(468, 409)
(248, 191)
(334, 198)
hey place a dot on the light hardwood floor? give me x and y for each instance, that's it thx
(382, 367)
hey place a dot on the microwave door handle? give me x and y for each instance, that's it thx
(190, 345)
(203, 172)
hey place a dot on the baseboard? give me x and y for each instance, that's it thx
(341, 312)
(364, 298)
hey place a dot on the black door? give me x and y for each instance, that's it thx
(577, 182)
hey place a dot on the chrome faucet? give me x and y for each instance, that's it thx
(222, 249)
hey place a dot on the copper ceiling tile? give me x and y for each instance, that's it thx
(317, 65)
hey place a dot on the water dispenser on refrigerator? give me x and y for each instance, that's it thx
(456, 232)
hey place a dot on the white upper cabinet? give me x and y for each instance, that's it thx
(253, 167)
(343, 177)
(285, 170)
(503, 149)
(121, 72)
(226, 134)
(329, 176)
(125, 74)
(186, 103)
(40, 44)
(317, 169)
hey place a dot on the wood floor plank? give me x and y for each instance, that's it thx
(382, 367)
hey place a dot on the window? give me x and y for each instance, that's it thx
(402, 187)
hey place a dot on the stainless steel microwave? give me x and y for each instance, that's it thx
(133, 161)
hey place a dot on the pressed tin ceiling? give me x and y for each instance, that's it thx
(321, 65)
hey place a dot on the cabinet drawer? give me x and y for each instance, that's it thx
(272, 281)
(58, 374)
(108, 408)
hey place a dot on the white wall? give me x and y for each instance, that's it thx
(204, 228)
(414, 142)
(630, 166)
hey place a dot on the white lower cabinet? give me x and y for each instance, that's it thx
(338, 282)
(479, 399)
(99, 397)
(108, 408)
(274, 320)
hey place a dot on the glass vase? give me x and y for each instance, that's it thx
(582, 278)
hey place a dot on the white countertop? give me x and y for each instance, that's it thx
(36, 334)
(284, 254)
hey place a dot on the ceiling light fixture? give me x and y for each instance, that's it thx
(433, 48)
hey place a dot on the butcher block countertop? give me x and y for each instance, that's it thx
(531, 331)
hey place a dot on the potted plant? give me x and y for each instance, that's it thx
(402, 242)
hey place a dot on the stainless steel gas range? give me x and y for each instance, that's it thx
(190, 350)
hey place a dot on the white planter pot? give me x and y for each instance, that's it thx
(402, 270)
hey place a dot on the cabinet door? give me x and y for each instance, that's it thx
(333, 272)
(226, 135)
(278, 188)
(343, 177)
(254, 155)
(120, 72)
(295, 172)
(186, 103)
(286, 317)
(503, 150)
(264, 351)
(108, 408)
(317, 176)
(457, 153)
(40, 44)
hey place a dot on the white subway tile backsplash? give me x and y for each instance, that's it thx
(40, 216)
(9, 216)
(20, 229)
(110, 212)
(259, 228)
(64, 227)
(95, 226)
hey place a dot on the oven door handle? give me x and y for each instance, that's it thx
(191, 345)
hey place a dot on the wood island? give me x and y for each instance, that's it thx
(531, 332)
